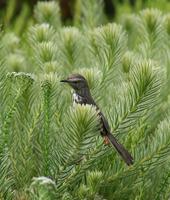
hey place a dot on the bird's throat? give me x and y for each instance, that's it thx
(79, 96)
(83, 96)
(77, 99)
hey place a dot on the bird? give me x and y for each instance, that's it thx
(82, 95)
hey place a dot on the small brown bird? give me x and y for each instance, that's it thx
(81, 96)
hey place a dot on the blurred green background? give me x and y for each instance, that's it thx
(18, 14)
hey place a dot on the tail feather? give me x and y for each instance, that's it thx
(121, 150)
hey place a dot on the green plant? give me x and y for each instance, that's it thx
(50, 150)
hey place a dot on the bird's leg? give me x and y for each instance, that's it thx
(106, 140)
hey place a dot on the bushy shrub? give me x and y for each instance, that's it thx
(50, 150)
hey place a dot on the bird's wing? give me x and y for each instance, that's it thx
(105, 124)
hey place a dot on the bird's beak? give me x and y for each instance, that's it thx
(64, 81)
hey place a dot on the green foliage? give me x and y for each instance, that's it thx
(85, 13)
(52, 150)
(48, 12)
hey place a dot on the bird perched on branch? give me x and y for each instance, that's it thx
(82, 95)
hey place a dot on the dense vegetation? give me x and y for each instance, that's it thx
(17, 15)
(50, 150)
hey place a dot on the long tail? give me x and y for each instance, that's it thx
(121, 150)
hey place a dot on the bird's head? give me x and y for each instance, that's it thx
(77, 82)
